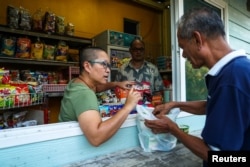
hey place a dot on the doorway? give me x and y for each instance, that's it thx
(182, 77)
(130, 26)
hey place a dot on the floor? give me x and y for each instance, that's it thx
(180, 156)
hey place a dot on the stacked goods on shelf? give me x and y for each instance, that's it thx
(119, 38)
(21, 118)
(70, 29)
(11, 46)
(16, 94)
(37, 50)
(62, 51)
(118, 60)
(73, 55)
(163, 63)
(37, 20)
(48, 22)
(25, 19)
(110, 109)
(48, 52)
(117, 46)
(12, 119)
(25, 47)
(7, 45)
(18, 18)
(143, 88)
(48, 88)
(112, 102)
(25, 87)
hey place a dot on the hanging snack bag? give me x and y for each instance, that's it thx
(37, 20)
(25, 19)
(13, 17)
(8, 46)
(62, 51)
(37, 50)
(23, 48)
(49, 52)
(50, 21)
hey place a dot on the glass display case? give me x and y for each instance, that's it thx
(116, 45)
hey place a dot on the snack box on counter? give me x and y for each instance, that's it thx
(110, 109)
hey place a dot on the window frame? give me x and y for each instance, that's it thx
(178, 62)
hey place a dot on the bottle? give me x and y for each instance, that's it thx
(168, 95)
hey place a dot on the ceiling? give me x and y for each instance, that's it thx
(156, 4)
(159, 1)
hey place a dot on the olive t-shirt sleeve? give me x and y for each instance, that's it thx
(86, 100)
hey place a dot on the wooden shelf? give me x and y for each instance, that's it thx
(14, 60)
(74, 41)
(165, 71)
(44, 35)
(11, 62)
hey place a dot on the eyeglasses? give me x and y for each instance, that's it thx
(137, 49)
(103, 63)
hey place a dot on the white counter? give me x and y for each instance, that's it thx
(64, 143)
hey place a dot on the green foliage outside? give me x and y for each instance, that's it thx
(195, 83)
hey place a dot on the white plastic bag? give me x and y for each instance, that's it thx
(154, 142)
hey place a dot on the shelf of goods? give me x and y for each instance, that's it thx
(72, 39)
(164, 64)
(9, 37)
(13, 100)
(53, 90)
(68, 69)
(117, 46)
(14, 62)
(58, 89)
(165, 71)
(22, 61)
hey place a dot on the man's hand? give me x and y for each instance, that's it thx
(163, 109)
(162, 125)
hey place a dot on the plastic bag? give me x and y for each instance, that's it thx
(149, 141)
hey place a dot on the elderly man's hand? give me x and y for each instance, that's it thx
(163, 109)
(162, 125)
